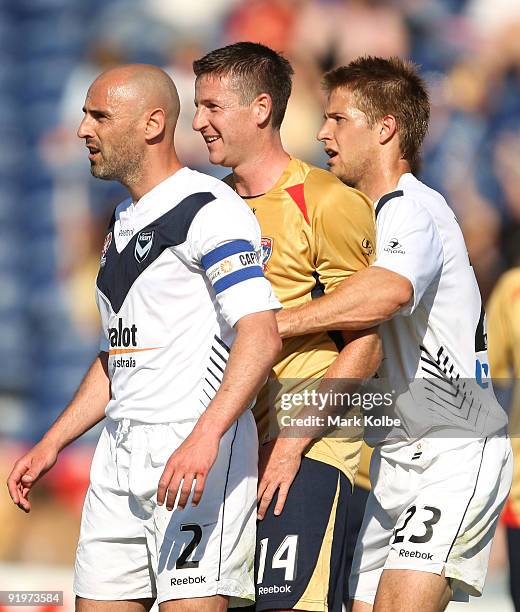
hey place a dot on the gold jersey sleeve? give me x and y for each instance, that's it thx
(503, 325)
(315, 233)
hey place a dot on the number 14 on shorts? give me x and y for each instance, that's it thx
(285, 558)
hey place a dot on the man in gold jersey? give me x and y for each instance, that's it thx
(315, 233)
(503, 315)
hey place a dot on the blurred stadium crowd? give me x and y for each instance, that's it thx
(53, 214)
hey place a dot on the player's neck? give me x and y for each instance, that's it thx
(382, 180)
(261, 171)
(153, 172)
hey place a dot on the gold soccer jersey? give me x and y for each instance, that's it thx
(315, 233)
(503, 314)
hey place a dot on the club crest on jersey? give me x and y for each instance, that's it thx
(367, 246)
(267, 250)
(143, 245)
(106, 246)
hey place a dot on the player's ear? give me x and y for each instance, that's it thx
(387, 128)
(262, 107)
(155, 123)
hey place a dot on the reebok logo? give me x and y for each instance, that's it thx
(416, 554)
(274, 589)
(188, 580)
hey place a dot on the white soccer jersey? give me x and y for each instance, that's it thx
(178, 270)
(435, 349)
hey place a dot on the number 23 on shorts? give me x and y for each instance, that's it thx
(419, 535)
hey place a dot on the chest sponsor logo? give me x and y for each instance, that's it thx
(122, 336)
(123, 345)
(143, 245)
(394, 246)
(267, 250)
(106, 246)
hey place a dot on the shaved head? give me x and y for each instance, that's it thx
(144, 86)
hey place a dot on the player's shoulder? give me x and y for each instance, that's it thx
(412, 199)
(324, 191)
(220, 189)
(224, 213)
(508, 285)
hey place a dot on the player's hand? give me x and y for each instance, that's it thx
(28, 470)
(192, 461)
(279, 462)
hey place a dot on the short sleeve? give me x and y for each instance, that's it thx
(343, 229)
(408, 243)
(224, 240)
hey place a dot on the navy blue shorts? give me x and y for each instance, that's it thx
(301, 555)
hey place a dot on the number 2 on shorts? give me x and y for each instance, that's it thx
(182, 561)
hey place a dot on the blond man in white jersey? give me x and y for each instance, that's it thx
(188, 338)
(441, 474)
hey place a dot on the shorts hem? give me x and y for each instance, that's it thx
(461, 585)
(312, 605)
(432, 568)
(235, 596)
(363, 599)
(274, 604)
(112, 597)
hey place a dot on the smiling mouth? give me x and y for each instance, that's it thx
(210, 139)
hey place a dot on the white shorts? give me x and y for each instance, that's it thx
(434, 507)
(131, 548)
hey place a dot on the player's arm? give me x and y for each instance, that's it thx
(410, 256)
(365, 300)
(85, 410)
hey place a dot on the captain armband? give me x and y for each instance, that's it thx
(231, 263)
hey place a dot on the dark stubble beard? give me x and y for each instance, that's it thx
(123, 164)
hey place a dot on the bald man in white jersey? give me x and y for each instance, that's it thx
(441, 474)
(188, 338)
